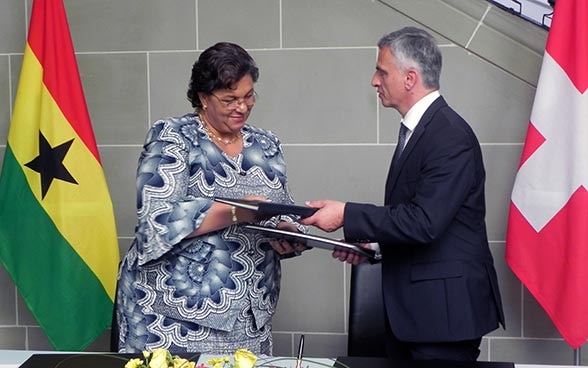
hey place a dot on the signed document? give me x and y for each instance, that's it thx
(268, 209)
(313, 241)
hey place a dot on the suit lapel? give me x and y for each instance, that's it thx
(396, 166)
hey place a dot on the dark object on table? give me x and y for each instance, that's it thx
(360, 362)
(69, 360)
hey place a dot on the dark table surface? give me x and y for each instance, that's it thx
(359, 362)
(107, 360)
(72, 360)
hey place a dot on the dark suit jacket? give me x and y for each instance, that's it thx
(438, 277)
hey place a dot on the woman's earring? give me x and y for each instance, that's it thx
(204, 107)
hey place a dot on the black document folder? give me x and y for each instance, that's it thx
(268, 209)
(90, 360)
(373, 362)
(313, 241)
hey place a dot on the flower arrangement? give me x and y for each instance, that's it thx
(243, 358)
(162, 358)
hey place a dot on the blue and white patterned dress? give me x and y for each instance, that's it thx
(216, 292)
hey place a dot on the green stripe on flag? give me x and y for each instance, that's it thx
(45, 267)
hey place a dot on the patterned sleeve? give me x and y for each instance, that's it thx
(277, 161)
(166, 213)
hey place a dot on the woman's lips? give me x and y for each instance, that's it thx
(239, 118)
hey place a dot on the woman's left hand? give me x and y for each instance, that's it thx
(283, 246)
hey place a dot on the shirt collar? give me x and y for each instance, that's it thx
(416, 112)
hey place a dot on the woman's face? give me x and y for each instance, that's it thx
(228, 109)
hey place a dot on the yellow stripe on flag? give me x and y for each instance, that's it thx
(74, 208)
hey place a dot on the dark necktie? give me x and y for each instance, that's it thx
(402, 135)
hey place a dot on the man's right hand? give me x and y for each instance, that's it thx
(328, 218)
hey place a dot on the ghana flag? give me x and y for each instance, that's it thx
(57, 233)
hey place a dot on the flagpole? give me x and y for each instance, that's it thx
(577, 357)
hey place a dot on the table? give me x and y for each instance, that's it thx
(357, 362)
(45, 359)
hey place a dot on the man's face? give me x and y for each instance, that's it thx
(389, 80)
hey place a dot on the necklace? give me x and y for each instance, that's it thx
(216, 137)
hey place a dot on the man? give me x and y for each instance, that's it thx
(439, 283)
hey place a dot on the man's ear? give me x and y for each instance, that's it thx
(410, 79)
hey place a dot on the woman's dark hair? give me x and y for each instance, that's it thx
(219, 67)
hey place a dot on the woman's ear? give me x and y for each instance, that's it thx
(203, 100)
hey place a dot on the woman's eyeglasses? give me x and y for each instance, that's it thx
(233, 103)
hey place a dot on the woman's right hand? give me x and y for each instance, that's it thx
(245, 215)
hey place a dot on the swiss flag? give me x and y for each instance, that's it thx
(547, 236)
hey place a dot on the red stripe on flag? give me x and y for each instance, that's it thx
(552, 264)
(550, 258)
(568, 41)
(533, 141)
(53, 47)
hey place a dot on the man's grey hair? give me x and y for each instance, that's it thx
(415, 48)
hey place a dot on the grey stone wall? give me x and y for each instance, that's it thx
(316, 59)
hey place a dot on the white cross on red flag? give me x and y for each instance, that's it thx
(547, 236)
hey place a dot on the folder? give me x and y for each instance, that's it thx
(314, 241)
(87, 360)
(269, 209)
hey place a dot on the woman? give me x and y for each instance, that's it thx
(192, 280)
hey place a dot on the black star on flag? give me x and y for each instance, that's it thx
(49, 163)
